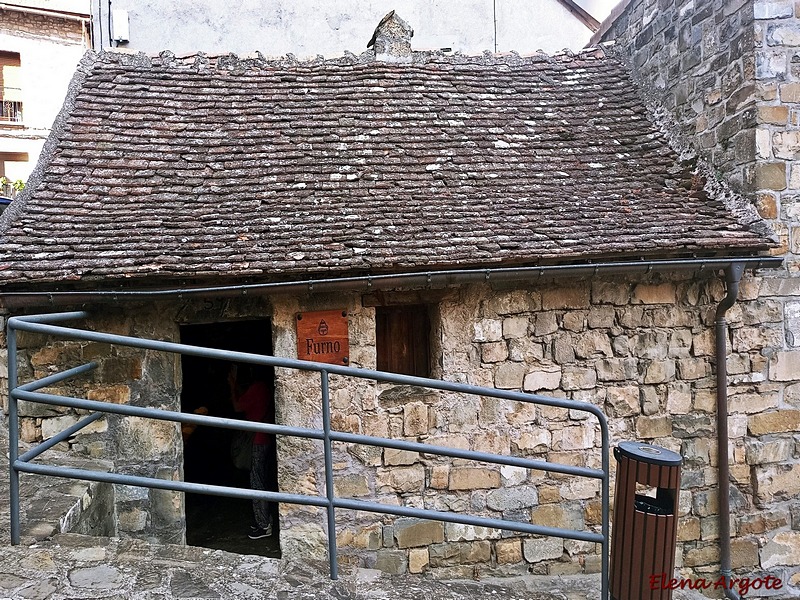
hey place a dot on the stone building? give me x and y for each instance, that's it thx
(526, 218)
(40, 46)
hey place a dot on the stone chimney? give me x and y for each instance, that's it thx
(392, 40)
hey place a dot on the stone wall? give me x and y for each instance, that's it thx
(726, 74)
(695, 62)
(125, 376)
(641, 349)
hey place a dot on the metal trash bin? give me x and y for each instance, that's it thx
(644, 527)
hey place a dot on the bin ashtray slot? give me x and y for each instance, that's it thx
(649, 450)
(653, 506)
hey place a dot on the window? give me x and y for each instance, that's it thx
(402, 335)
(10, 88)
(13, 166)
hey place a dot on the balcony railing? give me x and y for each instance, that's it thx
(10, 110)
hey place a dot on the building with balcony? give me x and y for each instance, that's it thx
(41, 41)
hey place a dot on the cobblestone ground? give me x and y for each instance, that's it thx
(49, 565)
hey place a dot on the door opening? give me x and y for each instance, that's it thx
(221, 456)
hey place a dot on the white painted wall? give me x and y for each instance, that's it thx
(310, 27)
(48, 59)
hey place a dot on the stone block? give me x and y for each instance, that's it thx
(556, 515)
(563, 350)
(773, 9)
(747, 403)
(415, 419)
(546, 377)
(471, 478)
(701, 556)
(56, 425)
(460, 553)
(439, 477)
(565, 297)
(456, 532)
(578, 378)
(393, 457)
(785, 366)
(786, 145)
(679, 398)
(132, 520)
(593, 344)
(773, 115)
(37, 410)
(744, 553)
(117, 394)
(778, 421)
(393, 562)
(616, 369)
(783, 549)
(601, 317)
(516, 301)
(574, 321)
(624, 401)
(509, 376)
(573, 438)
(351, 485)
(488, 330)
(515, 327)
(546, 323)
(539, 549)
(418, 560)
(790, 92)
(616, 293)
(534, 441)
(493, 352)
(653, 427)
(663, 293)
(516, 498)
(776, 482)
(770, 176)
(660, 371)
(402, 479)
(509, 551)
(693, 368)
(414, 533)
(513, 475)
(688, 529)
(28, 431)
(773, 451)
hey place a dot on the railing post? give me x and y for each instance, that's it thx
(13, 434)
(326, 430)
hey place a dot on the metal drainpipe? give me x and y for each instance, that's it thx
(733, 275)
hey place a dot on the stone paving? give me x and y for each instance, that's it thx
(50, 565)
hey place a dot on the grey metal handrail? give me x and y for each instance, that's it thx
(21, 464)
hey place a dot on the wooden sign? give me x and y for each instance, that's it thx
(322, 336)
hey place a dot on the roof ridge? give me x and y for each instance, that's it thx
(256, 60)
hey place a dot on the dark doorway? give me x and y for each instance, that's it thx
(215, 521)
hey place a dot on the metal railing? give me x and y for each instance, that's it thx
(43, 324)
(10, 110)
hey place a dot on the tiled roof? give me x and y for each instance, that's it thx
(203, 168)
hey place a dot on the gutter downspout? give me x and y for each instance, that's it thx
(733, 275)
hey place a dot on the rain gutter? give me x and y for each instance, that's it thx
(368, 283)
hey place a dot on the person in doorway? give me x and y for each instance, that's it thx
(251, 395)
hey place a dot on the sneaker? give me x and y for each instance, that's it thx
(256, 533)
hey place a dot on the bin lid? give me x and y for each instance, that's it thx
(646, 453)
